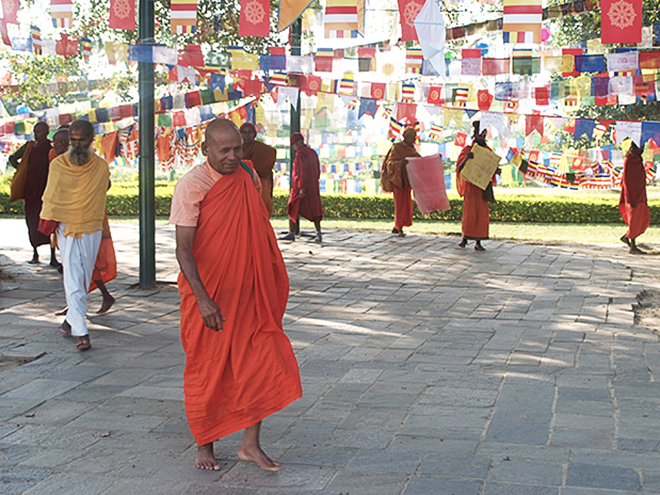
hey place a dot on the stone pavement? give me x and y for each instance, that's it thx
(426, 370)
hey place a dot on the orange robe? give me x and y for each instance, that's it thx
(105, 268)
(235, 378)
(476, 213)
(263, 158)
(394, 178)
(633, 191)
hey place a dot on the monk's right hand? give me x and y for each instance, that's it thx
(470, 155)
(211, 314)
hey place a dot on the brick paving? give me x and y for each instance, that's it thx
(426, 369)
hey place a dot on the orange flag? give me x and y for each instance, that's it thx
(290, 10)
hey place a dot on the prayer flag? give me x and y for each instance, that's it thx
(435, 95)
(461, 96)
(495, 66)
(346, 85)
(122, 14)
(378, 91)
(10, 11)
(191, 56)
(254, 19)
(323, 59)
(407, 92)
(522, 21)
(406, 112)
(395, 129)
(86, 46)
(62, 13)
(408, 11)
(67, 46)
(600, 129)
(414, 59)
(279, 78)
(290, 10)
(542, 95)
(431, 34)
(183, 17)
(35, 33)
(533, 122)
(621, 21)
(485, 99)
(584, 127)
(461, 139)
(435, 132)
(342, 17)
(4, 33)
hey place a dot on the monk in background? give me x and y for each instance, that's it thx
(632, 202)
(240, 367)
(105, 267)
(394, 179)
(262, 158)
(34, 155)
(305, 195)
(476, 212)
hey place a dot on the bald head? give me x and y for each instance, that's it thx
(223, 146)
(61, 141)
(40, 131)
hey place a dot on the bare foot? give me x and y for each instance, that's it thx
(259, 456)
(84, 344)
(479, 247)
(107, 304)
(65, 328)
(463, 243)
(635, 250)
(624, 239)
(206, 459)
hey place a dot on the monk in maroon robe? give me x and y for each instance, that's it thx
(305, 196)
(35, 153)
(632, 203)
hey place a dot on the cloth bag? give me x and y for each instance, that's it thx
(427, 179)
(19, 180)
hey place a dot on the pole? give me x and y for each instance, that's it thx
(147, 178)
(294, 116)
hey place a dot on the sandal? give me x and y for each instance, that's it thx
(84, 343)
(65, 330)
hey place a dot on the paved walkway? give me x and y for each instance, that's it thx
(426, 370)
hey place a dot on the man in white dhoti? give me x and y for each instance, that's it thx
(75, 198)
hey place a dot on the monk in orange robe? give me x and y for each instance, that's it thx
(263, 158)
(476, 213)
(394, 179)
(632, 203)
(240, 367)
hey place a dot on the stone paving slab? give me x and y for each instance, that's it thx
(425, 368)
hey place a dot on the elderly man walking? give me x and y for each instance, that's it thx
(632, 202)
(75, 198)
(262, 158)
(240, 367)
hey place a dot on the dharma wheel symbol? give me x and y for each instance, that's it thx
(622, 14)
(122, 9)
(411, 11)
(254, 12)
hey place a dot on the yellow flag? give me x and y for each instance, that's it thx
(290, 10)
(455, 114)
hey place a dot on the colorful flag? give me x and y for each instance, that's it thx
(346, 85)
(10, 11)
(395, 129)
(378, 91)
(522, 21)
(67, 46)
(431, 34)
(407, 92)
(35, 33)
(342, 18)
(461, 139)
(254, 19)
(323, 59)
(621, 21)
(279, 78)
(435, 132)
(86, 46)
(599, 130)
(485, 99)
(408, 11)
(62, 13)
(183, 18)
(290, 10)
(461, 96)
(414, 59)
(122, 14)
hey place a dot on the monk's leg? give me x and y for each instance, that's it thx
(478, 246)
(633, 248)
(250, 450)
(35, 256)
(317, 226)
(463, 243)
(625, 240)
(291, 236)
(53, 258)
(108, 300)
(206, 458)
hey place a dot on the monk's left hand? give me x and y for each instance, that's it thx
(211, 314)
(302, 193)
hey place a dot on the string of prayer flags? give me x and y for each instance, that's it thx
(522, 21)
(35, 33)
(183, 17)
(62, 13)
(621, 21)
(122, 15)
(408, 11)
(254, 19)
(10, 11)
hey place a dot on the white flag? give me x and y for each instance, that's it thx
(430, 27)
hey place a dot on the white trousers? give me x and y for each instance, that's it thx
(78, 258)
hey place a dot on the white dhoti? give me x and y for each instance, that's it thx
(78, 259)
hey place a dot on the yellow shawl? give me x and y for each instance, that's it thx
(76, 194)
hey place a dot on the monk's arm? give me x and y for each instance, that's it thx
(207, 307)
(17, 155)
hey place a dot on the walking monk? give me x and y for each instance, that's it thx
(394, 178)
(305, 196)
(75, 198)
(240, 367)
(262, 157)
(476, 213)
(632, 203)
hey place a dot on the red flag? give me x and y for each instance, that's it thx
(122, 14)
(534, 156)
(4, 33)
(378, 91)
(542, 95)
(485, 99)
(621, 21)
(408, 10)
(570, 127)
(407, 111)
(649, 60)
(178, 119)
(534, 122)
(191, 56)
(66, 46)
(461, 139)
(605, 100)
(311, 84)
(495, 66)
(574, 52)
(255, 18)
(435, 95)
(10, 10)
(471, 53)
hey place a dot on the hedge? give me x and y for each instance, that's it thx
(123, 201)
